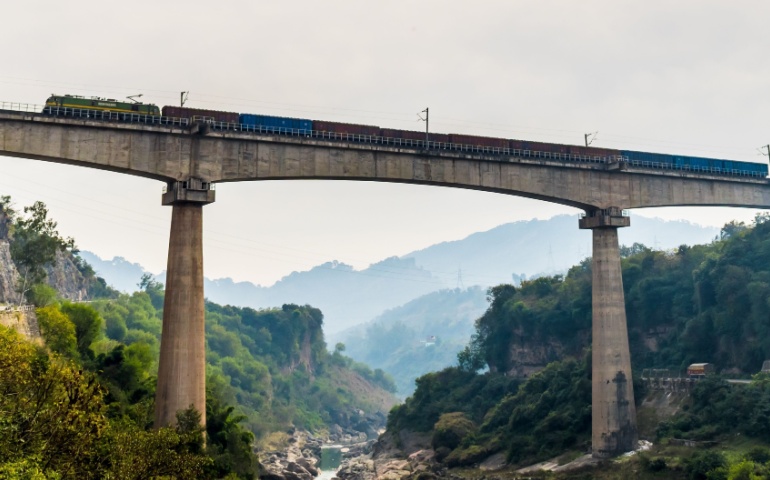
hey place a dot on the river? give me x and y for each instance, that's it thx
(331, 457)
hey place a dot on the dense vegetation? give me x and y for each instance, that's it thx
(82, 406)
(708, 303)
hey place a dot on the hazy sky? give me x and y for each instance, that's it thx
(687, 77)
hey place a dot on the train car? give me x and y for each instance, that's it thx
(320, 126)
(276, 124)
(541, 147)
(474, 140)
(593, 152)
(201, 114)
(402, 134)
(411, 137)
(98, 104)
(683, 162)
(442, 138)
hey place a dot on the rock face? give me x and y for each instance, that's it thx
(297, 462)
(63, 274)
(9, 276)
(22, 320)
(528, 358)
(409, 458)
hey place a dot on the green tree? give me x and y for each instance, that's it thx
(49, 410)
(152, 288)
(35, 244)
(41, 295)
(58, 331)
(88, 325)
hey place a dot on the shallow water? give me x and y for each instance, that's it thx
(326, 474)
(331, 456)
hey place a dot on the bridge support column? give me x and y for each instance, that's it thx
(182, 367)
(613, 410)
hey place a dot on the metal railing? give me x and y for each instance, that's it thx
(95, 114)
(116, 116)
(410, 143)
(16, 308)
(21, 107)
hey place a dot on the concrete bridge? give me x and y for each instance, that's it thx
(190, 159)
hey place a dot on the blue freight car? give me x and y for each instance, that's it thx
(268, 124)
(682, 162)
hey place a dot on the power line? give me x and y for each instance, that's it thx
(768, 151)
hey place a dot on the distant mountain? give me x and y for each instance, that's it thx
(422, 336)
(503, 254)
(532, 248)
(118, 272)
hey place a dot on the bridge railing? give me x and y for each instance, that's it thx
(116, 116)
(95, 114)
(475, 149)
(411, 143)
(21, 107)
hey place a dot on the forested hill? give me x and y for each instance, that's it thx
(82, 405)
(707, 303)
(421, 336)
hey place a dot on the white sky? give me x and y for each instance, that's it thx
(687, 77)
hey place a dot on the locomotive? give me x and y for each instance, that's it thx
(99, 104)
(97, 107)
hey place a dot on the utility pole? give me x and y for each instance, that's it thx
(183, 98)
(588, 139)
(427, 117)
(768, 151)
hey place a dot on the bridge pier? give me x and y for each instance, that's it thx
(613, 410)
(182, 367)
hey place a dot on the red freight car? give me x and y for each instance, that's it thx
(547, 147)
(198, 113)
(478, 141)
(349, 128)
(593, 152)
(439, 137)
(414, 135)
(402, 134)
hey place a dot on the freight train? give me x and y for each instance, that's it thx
(69, 105)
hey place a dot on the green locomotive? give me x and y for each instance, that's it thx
(100, 104)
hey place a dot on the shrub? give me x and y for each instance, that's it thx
(450, 430)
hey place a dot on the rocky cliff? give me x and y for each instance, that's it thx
(8, 275)
(63, 274)
(23, 320)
